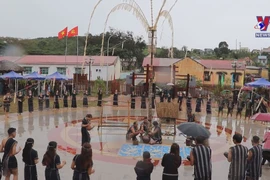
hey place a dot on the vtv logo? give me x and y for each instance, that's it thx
(262, 23)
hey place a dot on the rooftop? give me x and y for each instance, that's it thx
(220, 64)
(160, 62)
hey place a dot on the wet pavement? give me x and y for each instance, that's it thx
(63, 126)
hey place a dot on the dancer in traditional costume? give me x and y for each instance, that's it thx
(248, 108)
(169, 99)
(47, 100)
(85, 99)
(99, 97)
(180, 100)
(6, 102)
(209, 105)
(221, 104)
(143, 101)
(30, 102)
(199, 102)
(153, 100)
(9, 147)
(162, 96)
(230, 106)
(40, 102)
(73, 99)
(20, 99)
(133, 100)
(30, 159)
(82, 164)
(188, 103)
(240, 106)
(86, 126)
(132, 132)
(156, 135)
(52, 162)
(65, 99)
(56, 100)
(115, 98)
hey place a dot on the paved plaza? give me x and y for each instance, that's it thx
(63, 126)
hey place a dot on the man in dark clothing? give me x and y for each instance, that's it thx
(144, 168)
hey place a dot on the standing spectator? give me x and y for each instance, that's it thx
(47, 100)
(115, 98)
(144, 168)
(73, 99)
(56, 100)
(237, 156)
(65, 99)
(9, 147)
(82, 164)
(30, 159)
(171, 162)
(30, 102)
(254, 170)
(52, 162)
(200, 158)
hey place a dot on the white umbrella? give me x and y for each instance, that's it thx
(170, 84)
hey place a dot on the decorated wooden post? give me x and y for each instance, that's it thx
(128, 114)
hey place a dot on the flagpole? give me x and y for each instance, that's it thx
(66, 55)
(77, 62)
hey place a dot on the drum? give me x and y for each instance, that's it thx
(146, 139)
(89, 127)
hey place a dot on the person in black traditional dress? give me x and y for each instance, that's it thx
(153, 100)
(188, 103)
(65, 99)
(162, 97)
(30, 102)
(73, 99)
(221, 104)
(230, 106)
(47, 100)
(169, 98)
(30, 159)
(199, 102)
(248, 108)
(85, 99)
(56, 100)
(20, 99)
(143, 101)
(6, 102)
(133, 101)
(40, 102)
(82, 164)
(52, 162)
(86, 125)
(209, 105)
(180, 100)
(99, 103)
(133, 131)
(240, 106)
(115, 98)
(9, 147)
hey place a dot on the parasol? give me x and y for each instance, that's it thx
(261, 117)
(193, 129)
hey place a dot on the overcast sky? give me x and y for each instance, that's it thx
(197, 23)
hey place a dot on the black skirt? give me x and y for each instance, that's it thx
(85, 102)
(52, 174)
(30, 172)
(47, 103)
(20, 107)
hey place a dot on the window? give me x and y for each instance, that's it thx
(207, 76)
(79, 70)
(61, 70)
(27, 70)
(44, 70)
(98, 70)
(235, 77)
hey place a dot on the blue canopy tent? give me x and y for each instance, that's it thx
(15, 76)
(34, 76)
(259, 83)
(57, 76)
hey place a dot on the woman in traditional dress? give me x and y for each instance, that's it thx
(209, 105)
(30, 102)
(6, 102)
(132, 104)
(56, 100)
(199, 102)
(143, 101)
(99, 97)
(86, 126)
(73, 99)
(40, 102)
(20, 99)
(82, 164)
(85, 99)
(30, 159)
(115, 98)
(162, 97)
(52, 162)
(180, 100)
(188, 102)
(65, 99)
(47, 100)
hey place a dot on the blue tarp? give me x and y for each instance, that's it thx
(35, 76)
(11, 75)
(57, 76)
(259, 83)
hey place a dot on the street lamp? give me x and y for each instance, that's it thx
(107, 82)
(235, 65)
(89, 62)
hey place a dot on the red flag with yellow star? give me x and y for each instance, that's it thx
(62, 33)
(73, 32)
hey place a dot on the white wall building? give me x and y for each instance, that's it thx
(103, 67)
